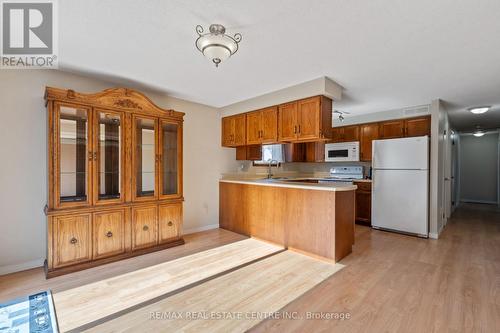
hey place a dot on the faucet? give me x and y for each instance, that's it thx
(269, 174)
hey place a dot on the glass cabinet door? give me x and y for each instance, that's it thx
(145, 158)
(170, 159)
(109, 150)
(73, 155)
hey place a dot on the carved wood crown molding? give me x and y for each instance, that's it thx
(117, 98)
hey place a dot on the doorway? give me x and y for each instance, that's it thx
(479, 168)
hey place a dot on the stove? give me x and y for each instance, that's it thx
(344, 174)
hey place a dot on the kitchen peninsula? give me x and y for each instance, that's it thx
(314, 219)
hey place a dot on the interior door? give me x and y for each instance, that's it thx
(144, 158)
(269, 125)
(308, 118)
(109, 169)
(254, 121)
(287, 122)
(73, 155)
(170, 157)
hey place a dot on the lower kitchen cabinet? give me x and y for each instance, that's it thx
(144, 226)
(363, 202)
(73, 243)
(108, 233)
(169, 222)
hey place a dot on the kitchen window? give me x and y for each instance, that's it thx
(271, 152)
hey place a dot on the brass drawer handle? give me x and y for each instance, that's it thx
(170, 223)
(109, 234)
(73, 240)
(145, 228)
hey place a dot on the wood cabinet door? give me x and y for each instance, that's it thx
(72, 240)
(337, 134)
(109, 165)
(239, 130)
(169, 222)
(227, 131)
(144, 227)
(269, 125)
(309, 118)
(363, 206)
(368, 133)
(254, 121)
(144, 158)
(392, 129)
(315, 151)
(170, 159)
(108, 233)
(73, 155)
(294, 152)
(351, 133)
(418, 126)
(287, 122)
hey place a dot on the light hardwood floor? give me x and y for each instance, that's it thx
(92, 302)
(396, 283)
(241, 298)
(391, 282)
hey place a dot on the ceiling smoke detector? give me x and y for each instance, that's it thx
(216, 45)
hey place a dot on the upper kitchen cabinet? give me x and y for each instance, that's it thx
(345, 134)
(368, 133)
(405, 127)
(262, 126)
(392, 129)
(234, 130)
(418, 126)
(305, 120)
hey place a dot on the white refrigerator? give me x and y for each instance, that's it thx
(400, 188)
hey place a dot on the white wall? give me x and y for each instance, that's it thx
(320, 86)
(23, 169)
(479, 168)
(440, 168)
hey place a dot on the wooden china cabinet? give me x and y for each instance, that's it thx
(114, 178)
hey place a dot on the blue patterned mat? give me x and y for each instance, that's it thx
(30, 314)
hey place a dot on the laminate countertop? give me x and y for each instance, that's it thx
(296, 184)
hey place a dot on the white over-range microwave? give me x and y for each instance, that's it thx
(342, 152)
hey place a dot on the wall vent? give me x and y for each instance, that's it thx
(417, 110)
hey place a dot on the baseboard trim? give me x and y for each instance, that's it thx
(202, 228)
(433, 235)
(479, 201)
(8, 269)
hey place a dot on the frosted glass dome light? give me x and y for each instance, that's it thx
(216, 45)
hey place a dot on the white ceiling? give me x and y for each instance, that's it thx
(387, 54)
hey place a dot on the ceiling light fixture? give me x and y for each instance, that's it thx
(341, 114)
(216, 45)
(478, 133)
(479, 109)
